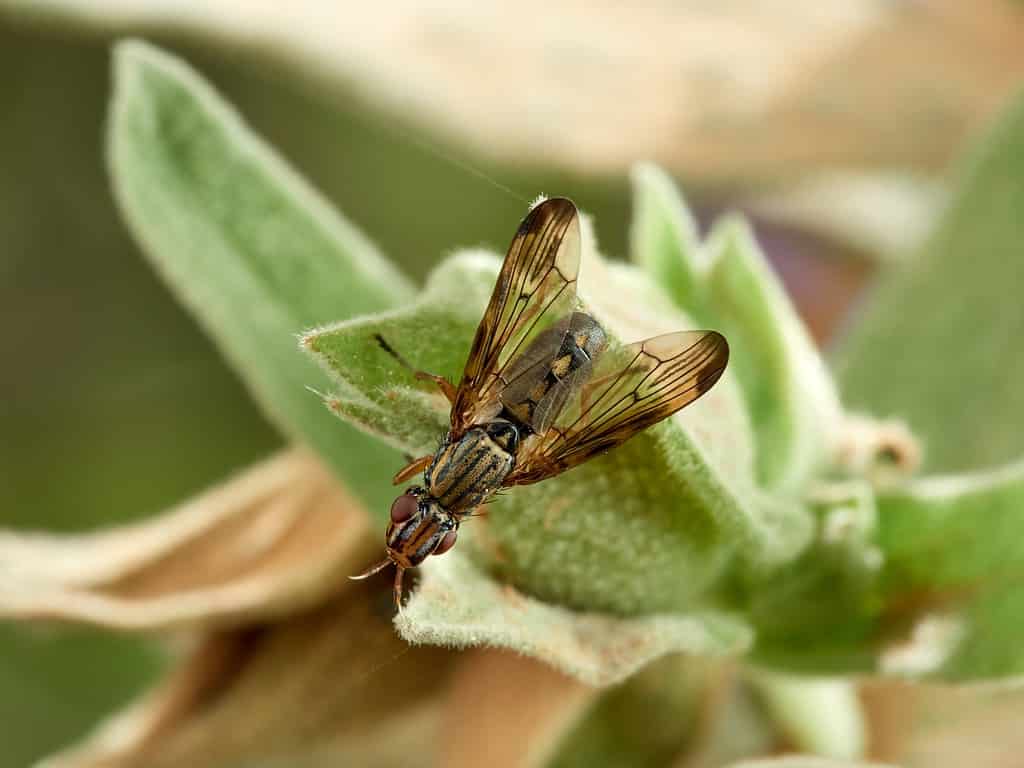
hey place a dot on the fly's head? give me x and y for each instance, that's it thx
(419, 527)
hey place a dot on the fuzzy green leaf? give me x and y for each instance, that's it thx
(246, 244)
(377, 393)
(939, 343)
(727, 284)
(789, 391)
(650, 527)
(818, 613)
(458, 605)
(953, 554)
(956, 531)
(663, 237)
(927, 586)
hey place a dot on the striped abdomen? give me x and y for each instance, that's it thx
(465, 473)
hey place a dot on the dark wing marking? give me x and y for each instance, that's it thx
(536, 287)
(632, 388)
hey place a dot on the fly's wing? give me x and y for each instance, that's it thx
(536, 287)
(631, 389)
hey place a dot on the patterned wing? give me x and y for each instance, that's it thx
(631, 389)
(536, 287)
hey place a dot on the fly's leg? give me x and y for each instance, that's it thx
(412, 469)
(446, 387)
(399, 572)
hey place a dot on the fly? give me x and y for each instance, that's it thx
(541, 391)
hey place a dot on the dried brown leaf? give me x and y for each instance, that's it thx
(277, 538)
(937, 726)
(509, 708)
(333, 685)
(714, 91)
(730, 726)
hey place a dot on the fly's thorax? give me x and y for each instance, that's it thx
(585, 334)
(419, 527)
(465, 472)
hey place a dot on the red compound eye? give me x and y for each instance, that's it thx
(404, 508)
(446, 543)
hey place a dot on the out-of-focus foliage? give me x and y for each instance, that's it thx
(248, 246)
(724, 92)
(726, 283)
(953, 546)
(820, 717)
(805, 761)
(939, 343)
(644, 722)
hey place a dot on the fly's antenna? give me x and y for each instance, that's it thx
(375, 568)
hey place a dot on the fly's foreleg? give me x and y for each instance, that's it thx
(446, 387)
(412, 469)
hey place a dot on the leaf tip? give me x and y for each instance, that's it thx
(663, 235)
(132, 56)
(646, 172)
(310, 341)
(129, 50)
(133, 111)
(731, 228)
